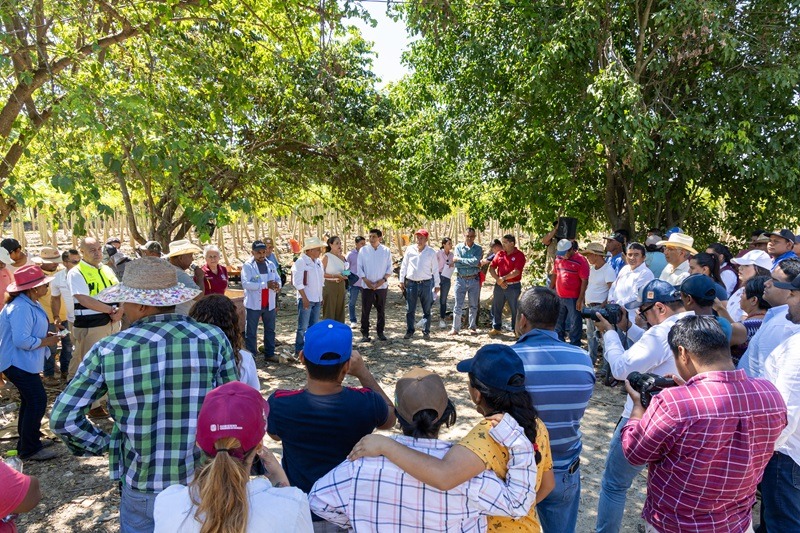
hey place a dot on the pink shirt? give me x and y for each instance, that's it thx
(6, 279)
(15, 488)
(707, 444)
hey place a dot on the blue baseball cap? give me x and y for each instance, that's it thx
(655, 291)
(328, 337)
(259, 245)
(700, 286)
(672, 230)
(494, 365)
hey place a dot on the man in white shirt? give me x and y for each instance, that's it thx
(308, 277)
(780, 487)
(59, 292)
(631, 278)
(261, 283)
(374, 269)
(677, 250)
(601, 276)
(776, 327)
(419, 278)
(660, 306)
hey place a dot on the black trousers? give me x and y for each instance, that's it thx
(368, 299)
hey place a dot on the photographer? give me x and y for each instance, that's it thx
(661, 307)
(706, 442)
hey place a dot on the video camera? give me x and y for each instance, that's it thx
(611, 312)
(648, 385)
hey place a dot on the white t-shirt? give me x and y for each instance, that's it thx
(249, 375)
(735, 306)
(270, 509)
(60, 288)
(597, 287)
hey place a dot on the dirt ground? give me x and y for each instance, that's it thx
(78, 496)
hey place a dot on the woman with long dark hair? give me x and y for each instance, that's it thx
(496, 386)
(219, 310)
(335, 266)
(708, 265)
(24, 344)
(222, 498)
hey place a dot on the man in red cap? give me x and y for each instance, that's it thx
(419, 278)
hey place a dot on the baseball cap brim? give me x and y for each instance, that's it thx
(789, 286)
(465, 365)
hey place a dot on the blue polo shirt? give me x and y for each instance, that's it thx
(617, 262)
(560, 380)
(786, 255)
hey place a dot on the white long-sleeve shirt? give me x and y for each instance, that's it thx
(375, 264)
(628, 286)
(420, 265)
(253, 282)
(782, 368)
(313, 282)
(650, 352)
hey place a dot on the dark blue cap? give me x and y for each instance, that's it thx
(793, 285)
(328, 337)
(259, 245)
(494, 365)
(655, 291)
(700, 286)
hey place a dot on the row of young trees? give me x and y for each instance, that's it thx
(624, 114)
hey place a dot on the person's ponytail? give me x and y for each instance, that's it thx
(221, 488)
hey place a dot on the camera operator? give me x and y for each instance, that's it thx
(706, 442)
(661, 307)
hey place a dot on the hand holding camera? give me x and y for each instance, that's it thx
(646, 385)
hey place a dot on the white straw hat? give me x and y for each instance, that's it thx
(182, 247)
(149, 281)
(679, 240)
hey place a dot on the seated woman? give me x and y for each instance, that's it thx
(219, 310)
(496, 386)
(222, 497)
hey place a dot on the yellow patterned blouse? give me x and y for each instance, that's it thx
(495, 457)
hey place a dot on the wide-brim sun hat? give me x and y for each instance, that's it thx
(48, 256)
(183, 247)
(594, 248)
(312, 243)
(149, 281)
(28, 277)
(679, 240)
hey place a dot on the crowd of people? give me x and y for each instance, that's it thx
(153, 344)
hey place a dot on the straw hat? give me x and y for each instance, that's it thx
(28, 277)
(182, 247)
(49, 255)
(594, 248)
(313, 242)
(679, 240)
(149, 281)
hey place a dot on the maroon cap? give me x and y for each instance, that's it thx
(232, 410)
(423, 232)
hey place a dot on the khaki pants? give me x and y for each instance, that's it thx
(84, 339)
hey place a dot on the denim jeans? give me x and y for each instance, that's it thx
(444, 291)
(558, 513)
(252, 316)
(305, 319)
(592, 338)
(32, 405)
(65, 356)
(354, 291)
(136, 511)
(466, 288)
(499, 298)
(423, 292)
(569, 320)
(617, 478)
(780, 496)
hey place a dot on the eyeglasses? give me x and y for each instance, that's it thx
(72, 262)
(643, 311)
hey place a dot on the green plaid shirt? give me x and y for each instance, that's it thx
(156, 374)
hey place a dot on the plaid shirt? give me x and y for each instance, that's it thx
(372, 494)
(707, 444)
(156, 374)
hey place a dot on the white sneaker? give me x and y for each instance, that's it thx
(442, 324)
(353, 325)
(421, 324)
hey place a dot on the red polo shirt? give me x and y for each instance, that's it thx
(569, 273)
(505, 263)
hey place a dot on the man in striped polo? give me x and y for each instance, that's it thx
(560, 380)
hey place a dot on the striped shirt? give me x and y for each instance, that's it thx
(372, 494)
(560, 380)
(707, 444)
(156, 373)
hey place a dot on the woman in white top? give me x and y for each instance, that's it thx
(335, 266)
(222, 498)
(218, 310)
(753, 263)
(446, 268)
(632, 278)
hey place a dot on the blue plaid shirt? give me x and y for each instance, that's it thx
(156, 374)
